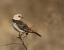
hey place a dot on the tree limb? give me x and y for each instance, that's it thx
(17, 43)
(22, 40)
(10, 44)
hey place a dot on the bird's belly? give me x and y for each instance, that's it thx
(16, 27)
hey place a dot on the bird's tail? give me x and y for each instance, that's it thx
(37, 34)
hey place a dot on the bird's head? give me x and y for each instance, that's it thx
(17, 17)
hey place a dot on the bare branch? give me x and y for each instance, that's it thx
(18, 43)
(10, 44)
(22, 41)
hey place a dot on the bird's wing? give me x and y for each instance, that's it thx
(23, 26)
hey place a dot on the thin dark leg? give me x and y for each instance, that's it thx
(20, 35)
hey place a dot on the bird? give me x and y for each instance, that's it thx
(22, 27)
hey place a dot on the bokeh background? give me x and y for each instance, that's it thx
(47, 17)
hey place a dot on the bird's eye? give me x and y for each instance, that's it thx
(19, 16)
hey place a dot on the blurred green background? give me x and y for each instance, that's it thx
(47, 17)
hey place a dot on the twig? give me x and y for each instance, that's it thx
(22, 41)
(10, 44)
(18, 43)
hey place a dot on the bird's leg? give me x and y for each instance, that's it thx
(19, 35)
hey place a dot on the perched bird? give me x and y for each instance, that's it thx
(21, 27)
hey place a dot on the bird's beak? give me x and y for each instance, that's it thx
(22, 17)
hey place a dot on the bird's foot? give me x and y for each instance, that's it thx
(19, 35)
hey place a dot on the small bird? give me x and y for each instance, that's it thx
(20, 26)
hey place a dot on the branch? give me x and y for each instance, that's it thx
(18, 43)
(10, 44)
(22, 41)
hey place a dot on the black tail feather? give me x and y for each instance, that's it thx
(37, 34)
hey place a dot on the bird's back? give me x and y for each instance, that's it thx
(22, 26)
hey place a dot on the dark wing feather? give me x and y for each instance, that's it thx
(22, 26)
